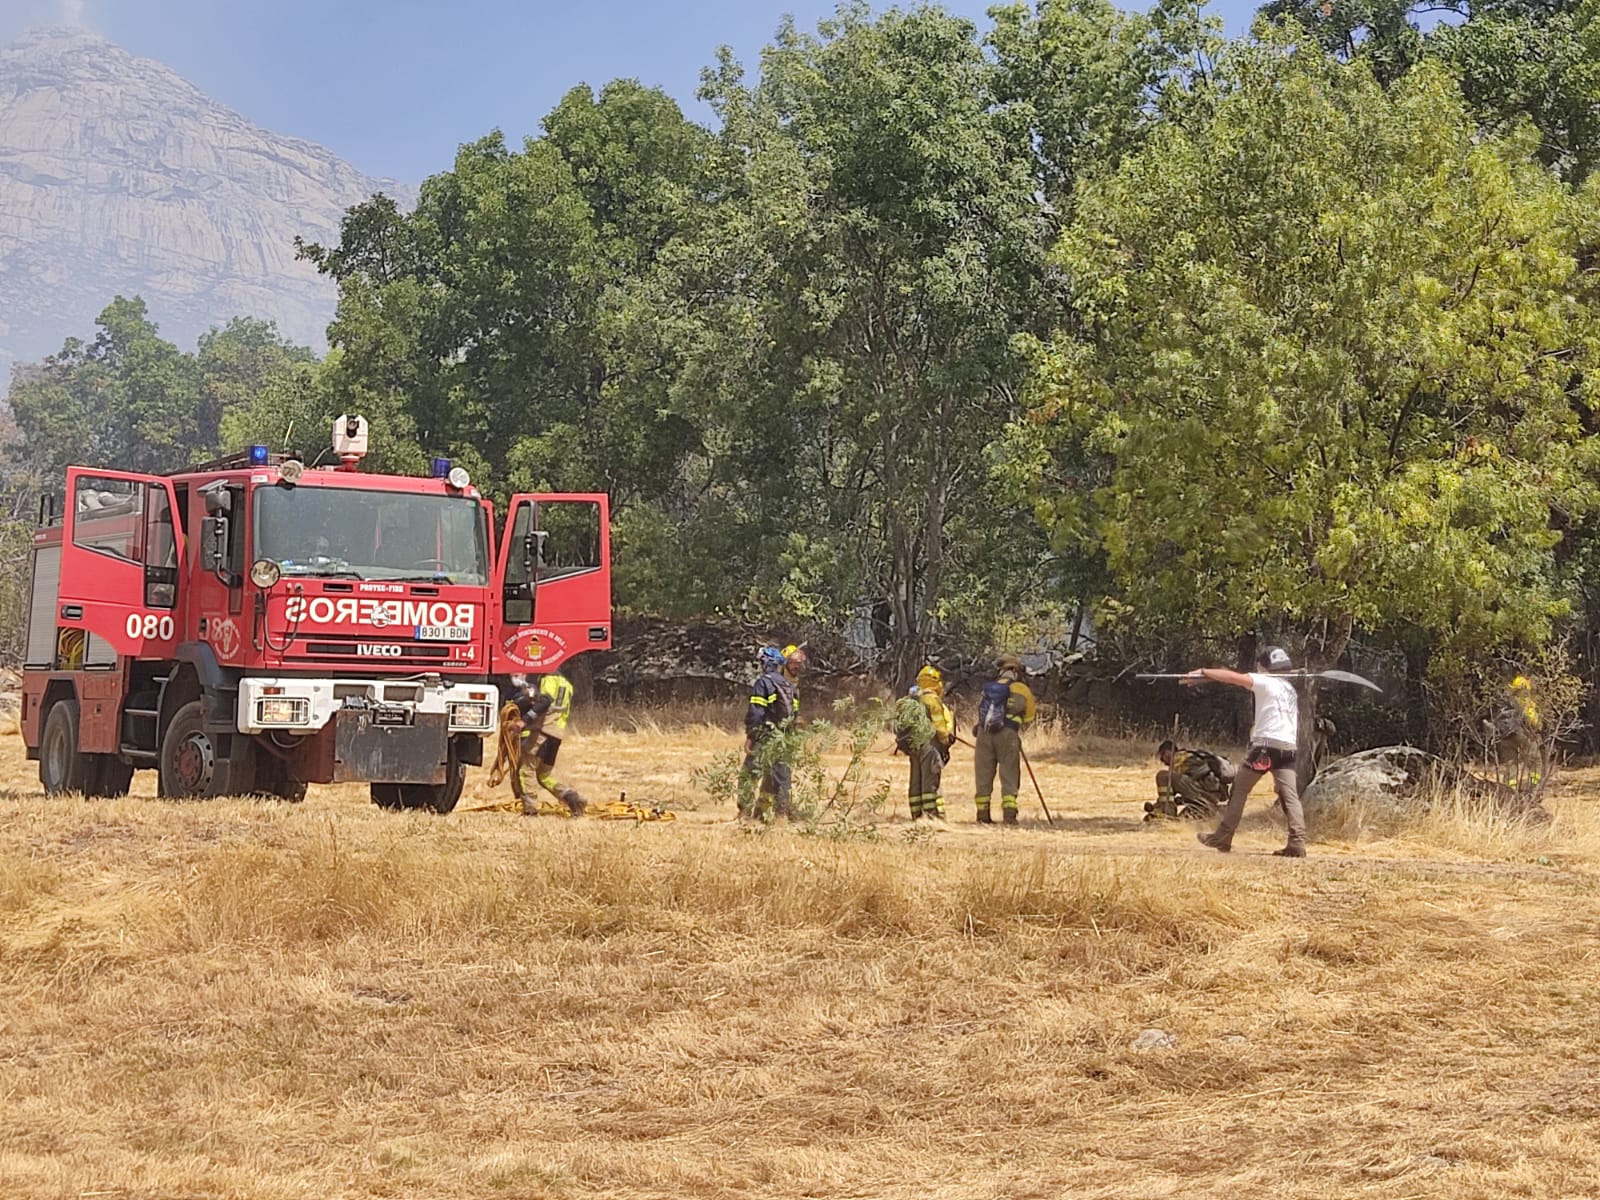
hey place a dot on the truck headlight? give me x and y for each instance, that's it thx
(265, 573)
(282, 711)
(468, 714)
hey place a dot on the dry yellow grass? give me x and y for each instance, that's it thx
(265, 1000)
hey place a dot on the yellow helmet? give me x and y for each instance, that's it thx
(929, 679)
(1520, 684)
(794, 656)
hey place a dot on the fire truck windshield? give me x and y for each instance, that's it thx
(355, 533)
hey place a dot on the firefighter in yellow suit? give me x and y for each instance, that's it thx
(1005, 705)
(924, 730)
(545, 710)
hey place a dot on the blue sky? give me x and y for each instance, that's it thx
(394, 86)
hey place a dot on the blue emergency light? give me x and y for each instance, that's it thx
(258, 456)
(441, 468)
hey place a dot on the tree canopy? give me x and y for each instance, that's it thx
(950, 332)
(1329, 349)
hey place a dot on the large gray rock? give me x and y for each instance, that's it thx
(1401, 776)
(118, 176)
(1404, 779)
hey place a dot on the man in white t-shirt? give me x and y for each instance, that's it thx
(1272, 743)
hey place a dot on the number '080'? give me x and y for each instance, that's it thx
(149, 625)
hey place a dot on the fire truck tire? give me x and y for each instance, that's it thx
(439, 797)
(273, 783)
(61, 767)
(443, 797)
(191, 766)
(108, 776)
(386, 795)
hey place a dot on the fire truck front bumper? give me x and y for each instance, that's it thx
(296, 705)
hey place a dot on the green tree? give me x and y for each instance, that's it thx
(1383, 33)
(890, 237)
(646, 175)
(494, 323)
(1090, 80)
(127, 399)
(1537, 60)
(261, 389)
(1540, 61)
(21, 484)
(464, 320)
(1329, 349)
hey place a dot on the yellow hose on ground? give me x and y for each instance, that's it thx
(507, 758)
(604, 810)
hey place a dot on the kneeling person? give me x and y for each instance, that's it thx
(544, 712)
(1191, 784)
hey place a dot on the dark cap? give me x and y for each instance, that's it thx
(1274, 658)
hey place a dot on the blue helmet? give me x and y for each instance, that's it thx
(771, 658)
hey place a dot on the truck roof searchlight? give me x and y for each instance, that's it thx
(350, 440)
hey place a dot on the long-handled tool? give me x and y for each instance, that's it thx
(1039, 790)
(1329, 676)
(1036, 786)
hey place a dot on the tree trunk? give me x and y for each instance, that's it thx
(1305, 751)
(1321, 651)
(1418, 711)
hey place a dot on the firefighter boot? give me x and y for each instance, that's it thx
(985, 817)
(530, 807)
(574, 802)
(1009, 805)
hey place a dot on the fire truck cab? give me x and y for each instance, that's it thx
(254, 624)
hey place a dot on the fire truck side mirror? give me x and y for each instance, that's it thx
(218, 500)
(533, 553)
(214, 543)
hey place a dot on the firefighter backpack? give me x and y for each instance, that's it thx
(992, 716)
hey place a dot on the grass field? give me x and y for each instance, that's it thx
(242, 999)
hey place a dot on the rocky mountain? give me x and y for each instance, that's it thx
(118, 176)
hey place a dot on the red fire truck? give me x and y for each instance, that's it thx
(256, 624)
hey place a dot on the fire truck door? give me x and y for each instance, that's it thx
(119, 561)
(553, 581)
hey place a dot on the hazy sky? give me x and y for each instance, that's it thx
(396, 85)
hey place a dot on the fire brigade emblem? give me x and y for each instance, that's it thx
(225, 637)
(525, 648)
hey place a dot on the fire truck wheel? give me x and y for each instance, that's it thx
(386, 795)
(440, 797)
(61, 767)
(108, 776)
(190, 768)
